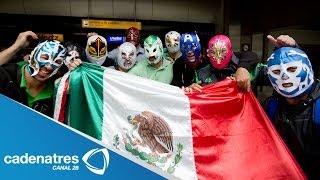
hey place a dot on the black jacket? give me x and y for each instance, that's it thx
(209, 74)
(295, 124)
(182, 72)
(10, 80)
(184, 75)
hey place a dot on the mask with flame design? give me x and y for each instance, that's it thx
(96, 49)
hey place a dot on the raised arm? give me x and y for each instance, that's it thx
(23, 40)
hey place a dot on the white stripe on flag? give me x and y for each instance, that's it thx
(163, 102)
(59, 96)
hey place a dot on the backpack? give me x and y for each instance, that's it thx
(12, 78)
(273, 106)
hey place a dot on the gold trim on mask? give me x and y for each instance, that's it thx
(218, 51)
(97, 48)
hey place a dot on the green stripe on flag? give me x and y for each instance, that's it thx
(86, 99)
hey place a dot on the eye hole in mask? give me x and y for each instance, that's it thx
(44, 57)
(59, 61)
(292, 69)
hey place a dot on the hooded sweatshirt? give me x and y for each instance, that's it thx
(296, 126)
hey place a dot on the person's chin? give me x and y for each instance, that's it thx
(41, 78)
(192, 60)
(126, 68)
(127, 65)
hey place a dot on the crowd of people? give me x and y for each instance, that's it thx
(292, 108)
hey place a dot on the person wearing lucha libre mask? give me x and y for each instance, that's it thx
(126, 57)
(32, 84)
(96, 49)
(190, 48)
(132, 36)
(182, 74)
(223, 63)
(294, 107)
(154, 66)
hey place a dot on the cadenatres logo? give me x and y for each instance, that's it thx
(60, 162)
(105, 156)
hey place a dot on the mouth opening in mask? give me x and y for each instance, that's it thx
(191, 57)
(287, 85)
(127, 63)
(152, 58)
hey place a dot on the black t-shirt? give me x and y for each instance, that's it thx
(183, 73)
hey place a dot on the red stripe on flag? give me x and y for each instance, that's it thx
(234, 139)
(63, 102)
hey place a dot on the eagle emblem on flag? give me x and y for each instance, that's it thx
(154, 131)
(151, 140)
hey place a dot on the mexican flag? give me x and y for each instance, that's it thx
(220, 133)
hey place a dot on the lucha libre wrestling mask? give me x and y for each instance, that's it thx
(290, 72)
(72, 54)
(219, 51)
(172, 41)
(190, 47)
(46, 59)
(127, 55)
(153, 49)
(96, 49)
(133, 36)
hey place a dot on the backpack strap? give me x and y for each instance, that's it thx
(272, 108)
(19, 75)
